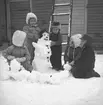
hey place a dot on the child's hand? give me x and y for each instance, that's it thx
(52, 43)
(18, 59)
(67, 66)
(21, 59)
(10, 57)
(72, 63)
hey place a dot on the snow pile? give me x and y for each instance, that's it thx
(4, 68)
(48, 78)
(70, 92)
(99, 64)
(11, 70)
(16, 72)
(73, 92)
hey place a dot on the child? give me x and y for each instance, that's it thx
(81, 56)
(56, 46)
(18, 51)
(32, 31)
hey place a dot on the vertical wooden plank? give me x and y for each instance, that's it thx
(78, 17)
(8, 21)
(95, 23)
(2, 21)
(18, 11)
(43, 10)
(85, 17)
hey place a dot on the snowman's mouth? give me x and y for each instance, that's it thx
(46, 38)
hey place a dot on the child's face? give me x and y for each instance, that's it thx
(32, 21)
(55, 30)
(76, 42)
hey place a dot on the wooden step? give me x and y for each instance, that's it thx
(58, 14)
(62, 4)
(64, 43)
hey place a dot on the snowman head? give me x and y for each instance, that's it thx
(44, 35)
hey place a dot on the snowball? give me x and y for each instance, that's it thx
(15, 65)
(34, 77)
(4, 66)
(56, 78)
(67, 67)
(18, 72)
(4, 69)
(20, 76)
(44, 78)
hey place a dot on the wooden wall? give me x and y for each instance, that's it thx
(79, 16)
(95, 22)
(3, 35)
(43, 9)
(85, 18)
(18, 11)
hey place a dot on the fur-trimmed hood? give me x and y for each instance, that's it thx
(18, 38)
(30, 15)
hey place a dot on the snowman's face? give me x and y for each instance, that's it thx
(45, 36)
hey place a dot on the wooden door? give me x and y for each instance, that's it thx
(43, 10)
(95, 23)
(2, 22)
(16, 13)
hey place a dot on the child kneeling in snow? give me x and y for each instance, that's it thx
(80, 55)
(18, 51)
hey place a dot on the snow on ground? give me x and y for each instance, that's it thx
(71, 92)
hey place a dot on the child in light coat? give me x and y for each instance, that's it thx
(18, 51)
(32, 30)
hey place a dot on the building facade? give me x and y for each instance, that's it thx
(87, 17)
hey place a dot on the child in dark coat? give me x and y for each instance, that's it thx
(56, 46)
(18, 51)
(81, 56)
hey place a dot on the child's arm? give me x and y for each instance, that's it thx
(29, 35)
(36, 35)
(7, 53)
(38, 29)
(58, 42)
(77, 56)
(27, 54)
(26, 57)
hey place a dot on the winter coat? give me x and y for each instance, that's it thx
(19, 52)
(32, 36)
(56, 49)
(84, 60)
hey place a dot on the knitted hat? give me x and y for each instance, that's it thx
(30, 15)
(77, 36)
(18, 38)
(88, 39)
(56, 24)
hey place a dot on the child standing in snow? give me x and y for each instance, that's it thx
(18, 51)
(81, 56)
(32, 31)
(56, 46)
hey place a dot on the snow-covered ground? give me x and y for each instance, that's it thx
(71, 92)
